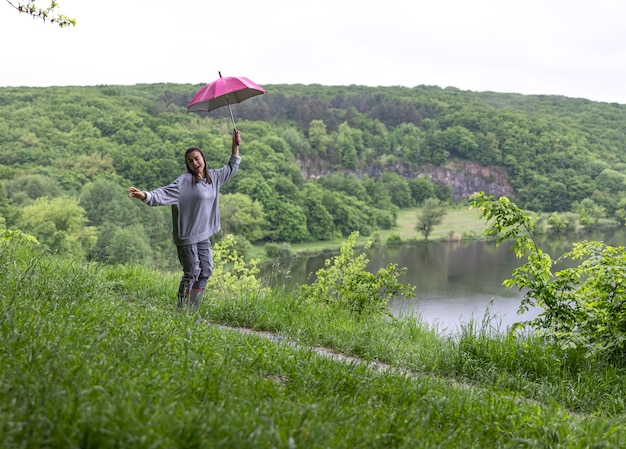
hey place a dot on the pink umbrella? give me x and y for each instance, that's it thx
(222, 92)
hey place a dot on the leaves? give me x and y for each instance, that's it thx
(584, 306)
(232, 275)
(45, 14)
(344, 282)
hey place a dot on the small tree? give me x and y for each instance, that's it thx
(590, 212)
(620, 212)
(583, 306)
(430, 215)
(345, 283)
(59, 223)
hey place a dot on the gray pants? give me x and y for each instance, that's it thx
(197, 262)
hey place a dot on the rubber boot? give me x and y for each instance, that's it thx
(182, 301)
(195, 298)
(184, 291)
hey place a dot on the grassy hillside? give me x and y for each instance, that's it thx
(99, 357)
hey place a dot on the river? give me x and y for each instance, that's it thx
(454, 282)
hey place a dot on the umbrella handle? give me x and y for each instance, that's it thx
(232, 117)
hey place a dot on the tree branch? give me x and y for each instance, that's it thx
(45, 14)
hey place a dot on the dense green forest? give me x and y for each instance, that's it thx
(319, 162)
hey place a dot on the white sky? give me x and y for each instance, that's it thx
(575, 48)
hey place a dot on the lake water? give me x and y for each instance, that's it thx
(454, 282)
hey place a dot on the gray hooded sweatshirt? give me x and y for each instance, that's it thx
(195, 207)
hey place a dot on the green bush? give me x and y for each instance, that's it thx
(345, 283)
(231, 273)
(394, 239)
(582, 306)
(271, 250)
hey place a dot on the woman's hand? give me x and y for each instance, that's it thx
(236, 141)
(136, 193)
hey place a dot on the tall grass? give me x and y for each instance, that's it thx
(99, 357)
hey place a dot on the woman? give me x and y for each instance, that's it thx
(194, 197)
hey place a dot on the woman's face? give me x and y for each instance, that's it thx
(196, 163)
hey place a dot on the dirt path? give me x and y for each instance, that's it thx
(377, 366)
(325, 352)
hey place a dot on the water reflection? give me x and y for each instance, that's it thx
(455, 283)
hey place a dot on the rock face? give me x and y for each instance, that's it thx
(464, 178)
(467, 178)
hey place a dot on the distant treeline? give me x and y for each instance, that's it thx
(67, 154)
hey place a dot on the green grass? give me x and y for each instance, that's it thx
(99, 357)
(459, 221)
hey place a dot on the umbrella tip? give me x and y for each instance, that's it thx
(220, 73)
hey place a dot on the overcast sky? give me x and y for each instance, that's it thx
(575, 48)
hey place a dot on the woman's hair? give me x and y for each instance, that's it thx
(189, 170)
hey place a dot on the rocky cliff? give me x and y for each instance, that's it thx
(463, 177)
(466, 178)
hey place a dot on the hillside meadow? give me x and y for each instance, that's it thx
(98, 356)
(459, 222)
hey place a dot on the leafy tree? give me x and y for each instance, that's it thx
(287, 221)
(9, 214)
(26, 188)
(430, 215)
(296, 141)
(254, 185)
(242, 216)
(435, 148)
(60, 223)
(607, 200)
(398, 189)
(318, 138)
(589, 213)
(284, 187)
(543, 194)
(129, 245)
(320, 223)
(611, 180)
(620, 212)
(490, 149)
(421, 188)
(407, 140)
(581, 306)
(350, 214)
(346, 146)
(278, 145)
(349, 184)
(457, 141)
(106, 201)
(563, 222)
(595, 167)
(377, 192)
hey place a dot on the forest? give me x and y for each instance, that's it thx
(318, 162)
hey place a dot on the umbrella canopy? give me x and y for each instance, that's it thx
(224, 91)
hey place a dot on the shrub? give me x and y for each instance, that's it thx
(271, 250)
(231, 273)
(394, 239)
(344, 282)
(582, 306)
